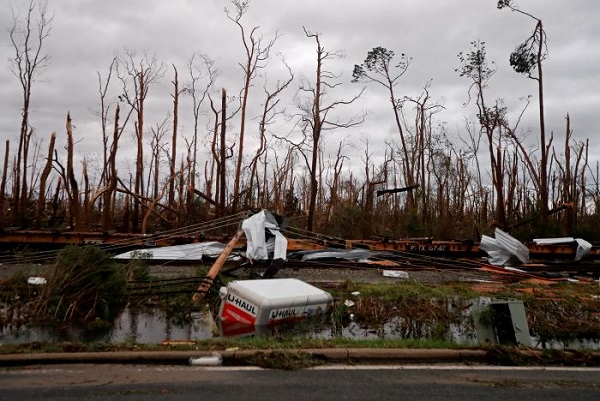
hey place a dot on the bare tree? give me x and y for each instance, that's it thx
(111, 174)
(570, 175)
(42, 190)
(198, 96)
(220, 150)
(316, 116)
(268, 114)
(335, 182)
(379, 67)
(103, 87)
(474, 65)
(222, 154)
(137, 75)
(27, 37)
(72, 185)
(175, 95)
(3, 183)
(157, 147)
(471, 152)
(257, 56)
(110, 144)
(421, 145)
(86, 213)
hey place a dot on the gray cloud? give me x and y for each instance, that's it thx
(87, 34)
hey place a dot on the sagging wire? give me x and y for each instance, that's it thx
(195, 229)
(162, 287)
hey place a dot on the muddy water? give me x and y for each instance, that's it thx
(148, 327)
(154, 327)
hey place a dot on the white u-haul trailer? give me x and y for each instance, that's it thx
(270, 302)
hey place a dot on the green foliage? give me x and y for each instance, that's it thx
(486, 316)
(588, 228)
(291, 204)
(348, 222)
(412, 290)
(85, 284)
(411, 224)
(15, 286)
(224, 343)
(504, 3)
(137, 267)
(379, 61)
(564, 320)
(474, 64)
(408, 310)
(524, 59)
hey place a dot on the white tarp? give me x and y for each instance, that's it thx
(255, 228)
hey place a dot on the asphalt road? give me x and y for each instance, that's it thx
(427, 383)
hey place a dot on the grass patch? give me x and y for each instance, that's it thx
(222, 344)
(405, 290)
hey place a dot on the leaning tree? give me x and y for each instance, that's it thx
(527, 59)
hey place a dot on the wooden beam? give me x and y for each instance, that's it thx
(216, 267)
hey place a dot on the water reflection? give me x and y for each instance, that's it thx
(132, 326)
(155, 326)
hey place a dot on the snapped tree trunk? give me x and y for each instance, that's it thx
(223, 154)
(3, 184)
(39, 210)
(73, 186)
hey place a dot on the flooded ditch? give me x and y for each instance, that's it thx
(450, 320)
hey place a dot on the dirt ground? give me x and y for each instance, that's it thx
(9, 269)
(312, 275)
(324, 275)
(375, 275)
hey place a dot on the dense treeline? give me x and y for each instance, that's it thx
(456, 188)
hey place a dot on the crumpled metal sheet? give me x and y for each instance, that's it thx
(502, 249)
(553, 241)
(258, 246)
(185, 252)
(497, 255)
(344, 254)
(512, 245)
(583, 247)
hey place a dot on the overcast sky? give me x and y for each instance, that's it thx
(86, 35)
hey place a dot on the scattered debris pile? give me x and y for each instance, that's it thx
(265, 250)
